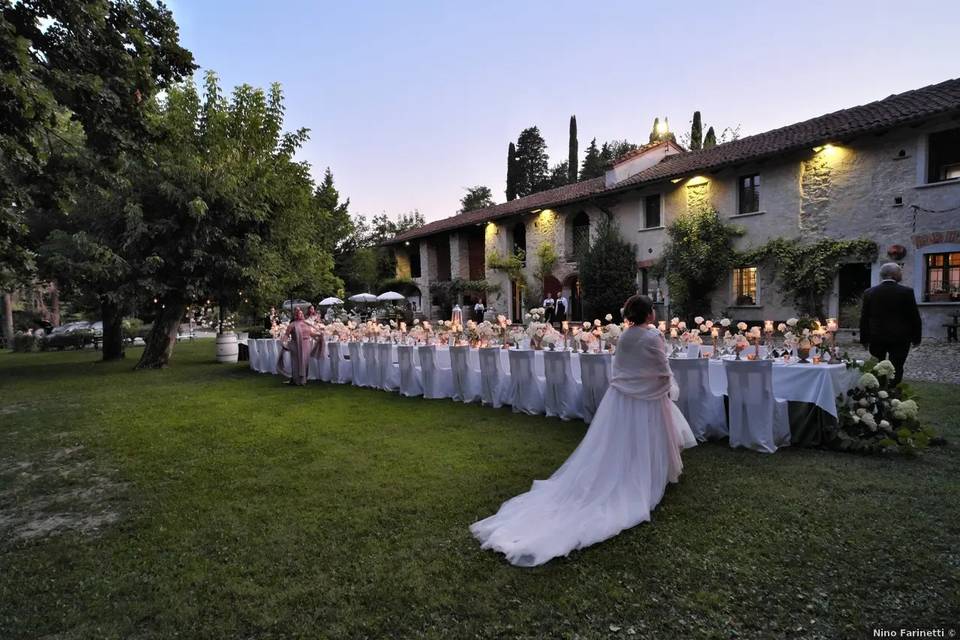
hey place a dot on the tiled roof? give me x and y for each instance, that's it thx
(550, 198)
(896, 110)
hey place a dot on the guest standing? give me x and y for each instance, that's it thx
(298, 342)
(561, 312)
(548, 307)
(889, 320)
(478, 311)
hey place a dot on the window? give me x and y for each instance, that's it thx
(943, 158)
(581, 235)
(414, 254)
(520, 240)
(644, 277)
(943, 277)
(749, 194)
(651, 211)
(745, 286)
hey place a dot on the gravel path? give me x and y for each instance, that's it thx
(933, 361)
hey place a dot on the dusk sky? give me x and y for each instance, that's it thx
(410, 102)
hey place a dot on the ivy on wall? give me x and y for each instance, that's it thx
(700, 254)
(512, 265)
(806, 271)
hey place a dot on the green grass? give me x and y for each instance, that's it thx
(231, 506)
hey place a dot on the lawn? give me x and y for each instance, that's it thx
(206, 501)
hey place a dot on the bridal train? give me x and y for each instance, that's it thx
(617, 474)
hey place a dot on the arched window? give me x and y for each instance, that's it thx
(520, 238)
(581, 235)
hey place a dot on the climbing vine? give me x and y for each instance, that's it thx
(547, 258)
(700, 253)
(806, 271)
(512, 265)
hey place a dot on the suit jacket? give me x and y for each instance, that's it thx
(890, 315)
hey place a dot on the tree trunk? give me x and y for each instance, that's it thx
(112, 317)
(162, 337)
(8, 318)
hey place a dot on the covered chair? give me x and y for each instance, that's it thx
(273, 354)
(526, 387)
(437, 381)
(340, 368)
(358, 365)
(466, 379)
(563, 392)
(699, 405)
(254, 355)
(595, 378)
(371, 362)
(494, 383)
(410, 376)
(318, 366)
(758, 420)
(389, 377)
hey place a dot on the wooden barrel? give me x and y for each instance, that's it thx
(227, 347)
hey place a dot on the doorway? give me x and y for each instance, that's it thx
(854, 279)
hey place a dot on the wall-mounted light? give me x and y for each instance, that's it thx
(536, 210)
(407, 243)
(676, 180)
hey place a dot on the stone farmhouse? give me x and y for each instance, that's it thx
(888, 171)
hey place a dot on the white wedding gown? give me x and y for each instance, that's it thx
(617, 474)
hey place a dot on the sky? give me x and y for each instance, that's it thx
(411, 102)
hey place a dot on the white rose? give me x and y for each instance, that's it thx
(682, 326)
(883, 394)
(781, 327)
(742, 326)
(609, 317)
(586, 325)
(725, 322)
(792, 322)
(698, 319)
(596, 323)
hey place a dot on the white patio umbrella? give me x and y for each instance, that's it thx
(326, 302)
(391, 295)
(363, 297)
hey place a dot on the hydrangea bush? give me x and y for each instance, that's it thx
(876, 416)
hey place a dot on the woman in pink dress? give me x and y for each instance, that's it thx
(619, 471)
(298, 342)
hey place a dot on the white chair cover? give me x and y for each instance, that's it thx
(340, 367)
(254, 355)
(358, 364)
(318, 367)
(389, 377)
(437, 381)
(758, 420)
(595, 378)
(410, 376)
(494, 383)
(563, 392)
(466, 379)
(526, 387)
(699, 405)
(326, 373)
(273, 354)
(371, 364)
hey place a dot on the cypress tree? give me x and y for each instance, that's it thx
(696, 133)
(511, 172)
(710, 140)
(653, 132)
(572, 155)
(532, 168)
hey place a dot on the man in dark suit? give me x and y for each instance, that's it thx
(890, 321)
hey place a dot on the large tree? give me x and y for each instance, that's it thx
(89, 67)
(226, 208)
(572, 151)
(608, 272)
(533, 163)
(476, 197)
(592, 166)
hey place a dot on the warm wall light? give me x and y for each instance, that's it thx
(536, 210)
(695, 180)
(676, 180)
(826, 147)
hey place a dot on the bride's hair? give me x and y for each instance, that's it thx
(637, 308)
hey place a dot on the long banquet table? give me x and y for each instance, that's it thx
(810, 389)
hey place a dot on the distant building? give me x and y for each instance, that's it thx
(887, 171)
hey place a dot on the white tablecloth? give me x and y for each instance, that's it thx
(818, 384)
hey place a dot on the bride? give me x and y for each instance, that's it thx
(619, 471)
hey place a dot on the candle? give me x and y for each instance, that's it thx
(565, 326)
(714, 333)
(768, 326)
(673, 333)
(663, 326)
(832, 326)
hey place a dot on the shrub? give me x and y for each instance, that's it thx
(608, 272)
(24, 343)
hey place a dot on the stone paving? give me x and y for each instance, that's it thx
(933, 361)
